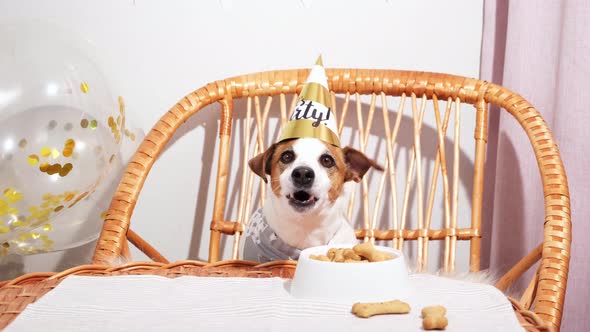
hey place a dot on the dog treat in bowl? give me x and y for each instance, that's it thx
(320, 258)
(366, 310)
(368, 251)
(361, 253)
(351, 255)
(433, 318)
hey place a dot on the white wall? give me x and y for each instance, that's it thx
(155, 52)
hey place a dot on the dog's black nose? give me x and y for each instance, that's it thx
(303, 176)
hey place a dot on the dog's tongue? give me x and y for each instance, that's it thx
(301, 196)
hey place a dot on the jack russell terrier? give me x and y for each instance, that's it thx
(307, 201)
(308, 173)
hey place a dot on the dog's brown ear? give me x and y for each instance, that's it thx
(261, 164)
(357, 164)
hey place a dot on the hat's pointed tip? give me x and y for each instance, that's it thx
(319, 61)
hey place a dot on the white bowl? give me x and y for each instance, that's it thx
(350, 282)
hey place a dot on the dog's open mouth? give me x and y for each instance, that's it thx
(302, 199)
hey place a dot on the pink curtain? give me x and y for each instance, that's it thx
(541, 50)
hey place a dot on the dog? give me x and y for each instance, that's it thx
(307, 199)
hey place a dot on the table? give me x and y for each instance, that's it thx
(17, 294)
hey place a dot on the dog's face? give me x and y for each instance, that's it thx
(307, 174)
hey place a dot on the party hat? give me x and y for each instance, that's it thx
(313, 115)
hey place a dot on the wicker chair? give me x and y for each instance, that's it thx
(546, 291)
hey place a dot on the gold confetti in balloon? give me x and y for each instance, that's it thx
(68, 196)
(66, 169)
(24, 237)
(114, 129)
(7, 209)
(45, 152)
(79, 198)
(84, 87)
(20, 222)
(38, 215)
(22, 143)
(54, 153)
(52, 169)
(117, 126)
(50, 200)
(92, 124)
(47, 196)
(130, 135)
(69, 146)
(122, 111)
(33, 159)
(12, 195)
(44, 167)
(28, 244)
(3, 207)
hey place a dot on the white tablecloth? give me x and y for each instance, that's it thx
(152, 303)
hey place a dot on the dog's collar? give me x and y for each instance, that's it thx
(262, 244)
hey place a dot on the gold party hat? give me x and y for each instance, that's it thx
(313, 115)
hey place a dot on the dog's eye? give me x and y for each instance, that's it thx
(287, 157)
(327, 161)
